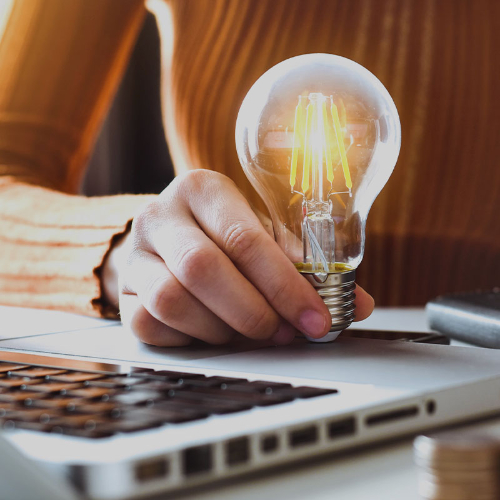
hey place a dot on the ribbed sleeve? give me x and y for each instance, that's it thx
(53, 244)
(60, 62)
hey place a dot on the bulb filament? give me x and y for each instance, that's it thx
(318, 136)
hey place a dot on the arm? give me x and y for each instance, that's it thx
(60, 63)
(188, 268)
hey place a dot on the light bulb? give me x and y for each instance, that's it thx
(318, 136)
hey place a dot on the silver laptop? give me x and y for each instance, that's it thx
(112, 418)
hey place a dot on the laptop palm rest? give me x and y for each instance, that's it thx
(394, 364)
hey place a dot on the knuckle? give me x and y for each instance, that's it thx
(195, 181)
(277, 291)
(165, 299)
(141, 324)
(241, 241)
(145, 219)
(259, 324)
(194, 263)
(150, 331)
(131, 269)
(133, 258)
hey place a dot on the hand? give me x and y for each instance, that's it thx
(199, 264)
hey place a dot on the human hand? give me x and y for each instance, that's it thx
(199, 264)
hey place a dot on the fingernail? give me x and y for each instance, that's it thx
(313, 323)
(285, 334)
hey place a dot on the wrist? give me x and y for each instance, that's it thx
(111, 266)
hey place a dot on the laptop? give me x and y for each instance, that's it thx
(104, 416)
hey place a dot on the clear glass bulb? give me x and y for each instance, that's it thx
(318, 136)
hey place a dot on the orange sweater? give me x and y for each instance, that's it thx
(435, 227)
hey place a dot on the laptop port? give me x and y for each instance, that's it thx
(304, 436)
(268, 444)
(342, 428)
(197, 460)
(151, 470)
(391, 415)
(430, 406)
(237, 451)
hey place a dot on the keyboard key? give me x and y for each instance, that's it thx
(195, 411)
(306, 392)
(10, 367)
(216, 406)
(91, 392)
(254, 399)
(18, 396)
(13, 383)
(150, 375)
(55, 402)
(138, 370)
(37, 372)
(116, 382)
(213, 381)
(83, 433)
(88, 422)
(270, 384)
(259, 386)
(168, 375)
(159, 385)
(130, 424)
(162, 414)
(137, 397)
(25, 414)
(30, 426)
(93, 408)
(76, 377)
(174, 375)
(53, 387)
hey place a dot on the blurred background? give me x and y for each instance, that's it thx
(131, 154)
(435, 227)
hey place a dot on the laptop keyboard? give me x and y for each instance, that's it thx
(97, 405)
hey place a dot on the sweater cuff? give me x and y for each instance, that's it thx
(53, 246)
(100, 304)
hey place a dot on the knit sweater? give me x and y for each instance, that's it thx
(435, 228)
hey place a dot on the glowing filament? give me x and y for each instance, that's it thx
(316, 134)
(340, 142)
(307, 149)
(328, 152)
(297, 135)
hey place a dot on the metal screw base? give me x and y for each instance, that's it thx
(337, 291)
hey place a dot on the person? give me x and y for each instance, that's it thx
(197, 262)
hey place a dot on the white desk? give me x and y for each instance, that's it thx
(385, 472)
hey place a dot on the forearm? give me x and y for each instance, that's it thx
(53, 245)
(112, 263)
(52, 103)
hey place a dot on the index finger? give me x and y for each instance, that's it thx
(234, 227)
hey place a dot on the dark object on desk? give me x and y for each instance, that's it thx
(472, 317)
(417, 337)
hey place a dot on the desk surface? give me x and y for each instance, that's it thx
(384, 472)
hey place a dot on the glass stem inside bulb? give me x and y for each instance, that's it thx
(318, 236)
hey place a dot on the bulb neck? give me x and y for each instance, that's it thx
(337, 291)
